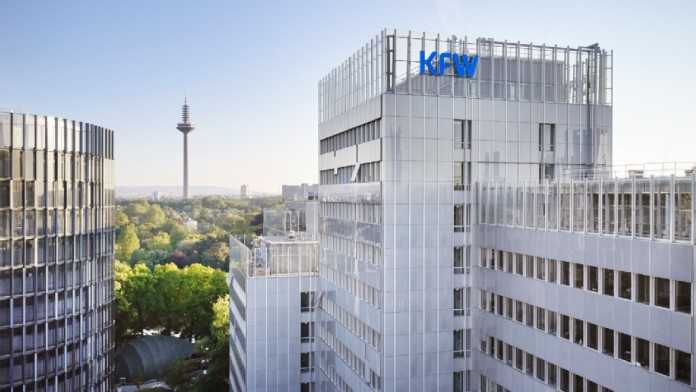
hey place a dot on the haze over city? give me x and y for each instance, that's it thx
(251, 72)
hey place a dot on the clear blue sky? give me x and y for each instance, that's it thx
(251, 70)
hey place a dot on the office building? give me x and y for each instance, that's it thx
(56, 254)
(272, 301)
(473, 232)
(299, 192)
(244, 192)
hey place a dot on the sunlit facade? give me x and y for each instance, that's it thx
(273, 296)
(425, 178)
(56, 254)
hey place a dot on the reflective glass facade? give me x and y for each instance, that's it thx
(56, 254)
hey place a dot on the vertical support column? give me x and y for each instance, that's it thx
(633, 207)
(671, 213)
(600, 214)
(186, 186)
(616, 207)
(652, 208)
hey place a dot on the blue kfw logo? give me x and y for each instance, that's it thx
(463, 65)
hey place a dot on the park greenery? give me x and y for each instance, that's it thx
(170, 277)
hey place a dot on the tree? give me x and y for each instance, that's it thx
(154, 216)
(160, 241)
(121, 219)
(216, 255)
(127, 243)
(220, 328)
(177, 232)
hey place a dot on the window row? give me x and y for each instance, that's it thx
(46, 337)
(330, 371)
(354, 212)
(655, 208)
(462, 301)
(42, 165)
(42, 132)
(39, 252)
(645, 289)
(354, 136)
(36, 281)
(648, 355)
(462, 134)
(356, 288)
(365, 248)
(41, 223)
(55, 194)
(349, 357)
(358, 173)
(544, 371)
(353, 323)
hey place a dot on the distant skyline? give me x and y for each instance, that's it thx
(251, 71)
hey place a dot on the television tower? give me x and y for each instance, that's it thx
(185, 126)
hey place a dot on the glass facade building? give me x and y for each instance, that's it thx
(474, 237)
(56, 254)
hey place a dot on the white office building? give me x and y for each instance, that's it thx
(273, 294)
(474, 235)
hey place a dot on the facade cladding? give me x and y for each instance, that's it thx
(272, 301)
(473, 234)
(56, 254)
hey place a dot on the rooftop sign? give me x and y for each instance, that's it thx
(463, 65)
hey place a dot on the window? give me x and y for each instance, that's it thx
(462, 176)
(552, 323)
(578, 332)
(546, 172)
(519, 264)
(592, 386)
(306, 362)
(625, 347)
(682, 369)
(307, 387)
(541, 319)
(552, 375)
(592, 336)
(578, 383)
(518, 358)
(461, 217)
(530, 315)
(565, 380)
(508, 354)
(592, 278)
(547, 137)
(508, 262)
(552, 271)
(529, 364)
(565, 327)
(683, 297)
(462, 134)
(459, 343)
(459, 302)
(461, 257)
(608, 341)
(540, 369)
(307, 331)
(625, 285)
(519, 311)
(499, 350)
(662, 292)
(529, 263)
(661, 356)
(458, 382)
(540, 268)
(306, 299)
(642, 289)
(579, 276)
(608, 288)
(565, 273)
(642, 353)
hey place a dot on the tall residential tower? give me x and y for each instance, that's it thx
(185, 126)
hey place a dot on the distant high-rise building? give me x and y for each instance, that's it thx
(56, 254)
(185, 126)
(244, 191)
(299, 192)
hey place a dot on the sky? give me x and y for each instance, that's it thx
(250, 70)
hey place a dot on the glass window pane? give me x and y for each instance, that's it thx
(608, 282)
(642, 289)
(625, 285)
(662, 292)
(683, 297)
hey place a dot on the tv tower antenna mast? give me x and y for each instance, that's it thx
(185, 126)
